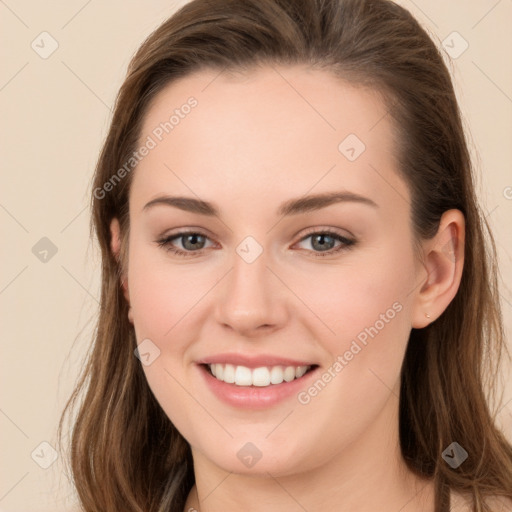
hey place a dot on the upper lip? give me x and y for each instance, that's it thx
(253, 361)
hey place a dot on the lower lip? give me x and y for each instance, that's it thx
(255, 397)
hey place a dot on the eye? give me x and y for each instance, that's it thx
(191, 241)
(324, 242)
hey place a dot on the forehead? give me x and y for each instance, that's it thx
(270, 132)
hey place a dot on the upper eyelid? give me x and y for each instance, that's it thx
(333, 231)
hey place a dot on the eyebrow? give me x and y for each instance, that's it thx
(290, 207)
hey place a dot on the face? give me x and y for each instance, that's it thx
(301, 260)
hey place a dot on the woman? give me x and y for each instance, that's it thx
(298, 309)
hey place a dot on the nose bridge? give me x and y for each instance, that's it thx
(250, 296)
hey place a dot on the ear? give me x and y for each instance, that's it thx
(115, 246)
(443, 261)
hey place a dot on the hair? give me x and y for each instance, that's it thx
(449, 372)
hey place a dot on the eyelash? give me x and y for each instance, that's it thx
(346, 243)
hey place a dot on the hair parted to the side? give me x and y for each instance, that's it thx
(125, 453)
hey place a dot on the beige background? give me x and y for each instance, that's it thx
(55, 113)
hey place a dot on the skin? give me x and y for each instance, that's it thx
(254, 141)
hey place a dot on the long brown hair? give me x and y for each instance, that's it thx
(125, 454)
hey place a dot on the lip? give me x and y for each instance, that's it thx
(253, 361)
(254, 397)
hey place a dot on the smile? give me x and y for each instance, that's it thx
(261, 377)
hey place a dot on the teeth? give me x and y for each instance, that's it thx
(243, 376)
(261, 377)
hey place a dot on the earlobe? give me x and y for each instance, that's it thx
(115, 246)
(443, 263)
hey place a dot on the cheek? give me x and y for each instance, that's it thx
(160, 295)
(369, 311)
(372, 301)
(163, 298)
(368, 308)
(372, 290)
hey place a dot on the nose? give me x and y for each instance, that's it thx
(252, 300)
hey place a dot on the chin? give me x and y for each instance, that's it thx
(246, 458)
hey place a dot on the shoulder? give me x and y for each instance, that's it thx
(463, 503)
(500, 504)
(459, 503)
